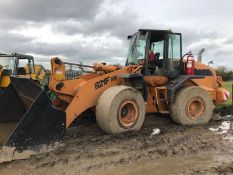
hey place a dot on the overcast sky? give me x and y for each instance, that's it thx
(96, 30)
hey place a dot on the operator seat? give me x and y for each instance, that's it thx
(157, 61)
(21, 71)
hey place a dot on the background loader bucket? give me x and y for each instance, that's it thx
(41, 123)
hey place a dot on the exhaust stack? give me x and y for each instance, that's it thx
(199, 55)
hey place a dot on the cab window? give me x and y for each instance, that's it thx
(136, 50)
(174, 51)
(158, 47)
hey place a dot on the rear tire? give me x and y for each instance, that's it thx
(120, 109)
(192, 105)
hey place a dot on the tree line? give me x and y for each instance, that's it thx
(226, 74)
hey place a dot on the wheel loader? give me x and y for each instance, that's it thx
(22, 66)
(163, 82)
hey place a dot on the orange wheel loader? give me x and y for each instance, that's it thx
(155, 79)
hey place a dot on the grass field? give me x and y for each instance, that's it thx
(228, 85)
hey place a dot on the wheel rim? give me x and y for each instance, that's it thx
(195, 108)
(128, 113)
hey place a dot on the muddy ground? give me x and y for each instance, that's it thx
(160, 147)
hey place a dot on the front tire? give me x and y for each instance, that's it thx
(192, 105)
(120, 109)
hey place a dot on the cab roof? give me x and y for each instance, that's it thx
(19, 56)
(158, 31)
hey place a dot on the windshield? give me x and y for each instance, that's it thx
(8, 63)
(28, 64)
(136, 50)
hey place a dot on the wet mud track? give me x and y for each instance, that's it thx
(204, 149)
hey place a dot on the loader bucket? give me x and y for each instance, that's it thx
(40, 124)
(9, 100)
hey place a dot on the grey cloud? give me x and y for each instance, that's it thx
(222, 52)
(119, 25)
(7, 24)
(229, 41)
(210, 47)
(13, 42)
(191, 36)
(126, 23)
(44, 10)
(74, 51)
(90, 18)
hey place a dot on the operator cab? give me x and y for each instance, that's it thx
(166, 48)
(15, 64)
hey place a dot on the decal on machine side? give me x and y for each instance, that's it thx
(104, 82)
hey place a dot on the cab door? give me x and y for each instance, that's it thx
(174, 54)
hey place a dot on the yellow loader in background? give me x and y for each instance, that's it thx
(22, 66)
